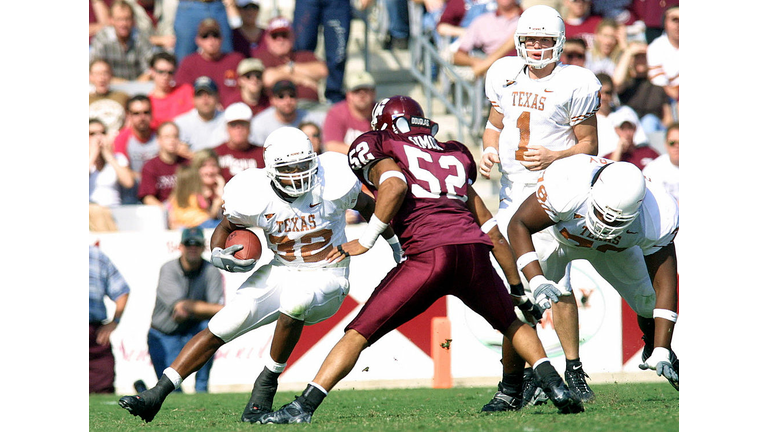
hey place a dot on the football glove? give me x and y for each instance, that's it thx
(397, 250)
(545, 291)
(661, 361)
(225, 260)
(532, 313)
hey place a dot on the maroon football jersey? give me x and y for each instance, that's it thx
(434, 212)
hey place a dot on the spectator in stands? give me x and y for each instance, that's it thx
(137, 141)
(150, 17)
(606, 133)
(282, 62)
(458, 15)
(104, 280)
(190, 291)
(98, 17)
(158, 177)
(489, 33)
(248, 37)
(104, 102)
(168, 98)
(107, 174)
(188, 17)
(574, 52)
(197, 197)
(607, 47)
(203, 126)
(335, 16)
(238, 153)
(399, 28)
(665, 169)
(663, 58)
(635, 90)
(626, 123)
(348, 119)
(651, 13)
(283, 111)
(122, 45)
(250, 79)
(211, 61)
(579, 20)
(315, 135)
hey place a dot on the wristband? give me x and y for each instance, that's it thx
(371, 233)
(517, 290)
(488, 225)
(490, 150)
(666, 314)
(489, 125)
(526, 259)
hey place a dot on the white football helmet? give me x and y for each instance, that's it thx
(615, 199)
(540, 21)
(290, 160)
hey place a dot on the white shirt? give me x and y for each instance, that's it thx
(103, 186)
(201, 134)
(663, 62)
(661, 170)
(296, 232)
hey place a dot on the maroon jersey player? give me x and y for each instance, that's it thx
(423, 188)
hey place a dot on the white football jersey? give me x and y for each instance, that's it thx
(303, 232)
(563, 192)
(537, 112)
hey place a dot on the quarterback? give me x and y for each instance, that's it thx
(541, 111)
(299, 199)
(610, 215)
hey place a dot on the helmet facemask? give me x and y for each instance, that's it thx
(615, 199)
(543, 22)
(291, 162)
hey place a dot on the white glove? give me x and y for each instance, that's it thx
(661, 361)
(397, 250)
(544, 291)
(225, 260)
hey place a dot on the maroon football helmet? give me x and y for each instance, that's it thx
(396, 114)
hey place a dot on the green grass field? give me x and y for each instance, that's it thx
(636, 407)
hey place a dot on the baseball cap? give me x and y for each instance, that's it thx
(206, 25)
(243, 3)
(623, 115)
(238, 111)
(278, 24)
(206, 84)
(249, 65)
(192, 237)
(283, 85)
(358, 80)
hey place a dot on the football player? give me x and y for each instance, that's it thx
(610, 215)
(424, 191)
(541, 111)
(300, 200)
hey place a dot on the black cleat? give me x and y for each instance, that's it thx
(563, 399)
(253, 413)
(504, 402)
(140, 406)
(533, 394)
(577, 384)
(293, 412)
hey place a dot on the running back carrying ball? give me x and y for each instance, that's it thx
(250, 241)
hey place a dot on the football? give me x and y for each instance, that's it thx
(250, 241)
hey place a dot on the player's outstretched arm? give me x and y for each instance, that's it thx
(662, 269)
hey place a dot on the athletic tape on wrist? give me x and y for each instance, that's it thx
(392, 240)
(372, 232)
(388, 174)
(490, 150)
(489, 125)
(666, 314)
(488, 225)
(526, 259)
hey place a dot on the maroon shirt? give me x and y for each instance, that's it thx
(159, 178)
(271, 60)
(235, 161)
(434, 212)
(222, 71)
(639, 157)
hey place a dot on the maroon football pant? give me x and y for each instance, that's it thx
(101, 364)
(464, 271)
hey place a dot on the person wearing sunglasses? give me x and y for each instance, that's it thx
(169, 99)
(212, 61)
(284, 110)
(665, 169)
(574, 52)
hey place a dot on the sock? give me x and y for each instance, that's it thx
(274, 366)
(173, 376)
(158, 393)
(545, 372)
(313, 396)
(264, 389)
(511, 383)
(572, 364)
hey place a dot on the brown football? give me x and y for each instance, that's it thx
(250, 241)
